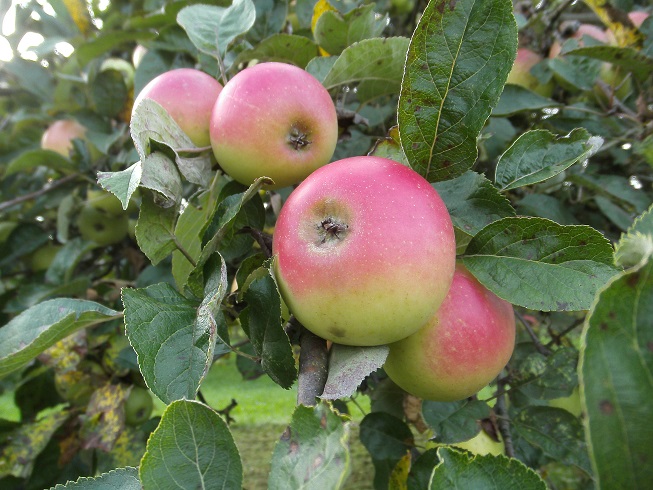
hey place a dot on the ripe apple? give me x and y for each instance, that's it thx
(188, 95)
(364, 251)
(463, 347)
(138, 406)
(275, 120)
(521, 73)
(100, 227)
(60, 135)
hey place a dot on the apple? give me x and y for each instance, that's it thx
(583, 30)
(100, 227)
(463, 347)
(482, 444)
(108, 203)
(60, 135)
(275, 120)
(122, 66)
(364, 251)
(520, 74)
(41, 259)
(138, 406)
(188, 95)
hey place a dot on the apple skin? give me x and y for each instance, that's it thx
(463, 347)
(60, 135)
(100, 227)
(188, 95)
(364, 251)
(275, 120)
(521, 73)
(138, 406)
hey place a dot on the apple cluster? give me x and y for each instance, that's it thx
(364, 251)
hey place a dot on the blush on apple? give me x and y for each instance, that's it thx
(463, 347)
(520, 74)
(60, 135)
(188, 95)
(274, 120)
(364, 251)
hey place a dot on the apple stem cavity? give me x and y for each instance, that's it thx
(298, 138)
(331, 229)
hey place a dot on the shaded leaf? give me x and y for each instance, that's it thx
(41, 326)
(31, 159)
(457, 64)
(193, 445)
(549, 377)
(516, 98)
(174, 346)
(454, 421)
(616, 374)
(335, 31)
(632, 60)
(539, 264)
(538, 155)
(284, 48)
(312, 452)
(122, 478)
(349, 366)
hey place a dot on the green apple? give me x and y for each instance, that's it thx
(6, 227)
(275, 120)
(138, 406)
(100, 227)
(106, 202)
(43, 257)
(364, 251)
(462, 348)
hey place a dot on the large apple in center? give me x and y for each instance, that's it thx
(274, 120)
(364, 251)
(461, 349)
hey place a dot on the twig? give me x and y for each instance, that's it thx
(313, 367)
(555, 337)
(226, 411)
(538, 345)
(33, 195)
(503, 422)
(263, 239)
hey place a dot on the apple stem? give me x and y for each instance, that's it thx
(313, 370)
(298, 139)
(331, 229)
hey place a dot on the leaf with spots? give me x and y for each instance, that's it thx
(173, 339)
(463, 470)
(539, 264)
(191, 448)
(457, 64)
(556, 432)
(121, 478)
(25, 443)
(348, 366)
(546, 378)
(105, 417)
(454, 421)
(616, 379)
(313, 451)
(43, 325)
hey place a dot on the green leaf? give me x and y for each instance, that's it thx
(41, 326)
(23, 239)
(284, 48)
(349, 366)
(376, 65)
(616, 374)
(262, 322)
(632, 60)
(193, 448)
(575, 71)
(548, 207)
(270, 19)
(212, 29)
(155, 229)
(614, 212)
(615, 187)
(26, 442)
(539, 264)
(174, 342)
(313, 451)
(538, 155)
(390, 147)
(636, 245)
(31, 159)
(556, 432)
(63, 265)
(121, 478)
(335, 31)
(457, 64)
(108, 93)
(473, 202)
(461, 470)
(122, 184)
(454, 421)
(515, 99)
(546, 378)
(88, 51)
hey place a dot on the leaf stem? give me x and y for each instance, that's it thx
(184, 252)
(538, 345)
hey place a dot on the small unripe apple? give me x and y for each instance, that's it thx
(108, 203)
(521, 73)
(138, 406)
(60, 135)
(100, 227)
(275, 120)
(123, 66)
(43, 257)
(188, 95)
(463, 347)
(364, 251)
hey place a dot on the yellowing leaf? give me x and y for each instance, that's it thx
(320, 8)
(617, 21)
(80, 14)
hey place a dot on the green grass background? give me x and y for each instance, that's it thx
(263, 411)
